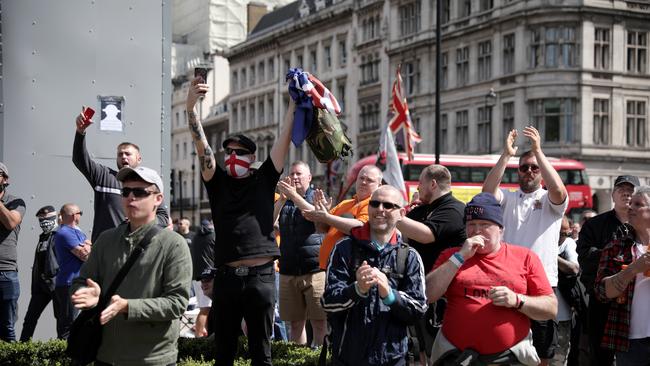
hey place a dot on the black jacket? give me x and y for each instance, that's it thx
(45, 265)
(202, 251)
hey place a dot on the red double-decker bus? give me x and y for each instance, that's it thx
(468, 172)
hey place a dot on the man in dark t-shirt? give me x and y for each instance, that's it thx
(242, 211)
(431, 227)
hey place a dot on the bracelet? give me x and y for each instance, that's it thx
(521, 302)
(457, 259)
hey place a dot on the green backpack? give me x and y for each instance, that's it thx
(327, 139)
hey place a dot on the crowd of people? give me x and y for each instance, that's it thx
(505, 279)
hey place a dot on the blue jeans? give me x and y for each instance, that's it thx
(637, 355)
(279, 328)
(9, 292)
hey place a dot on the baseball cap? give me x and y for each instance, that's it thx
(244, 141)
(4, 170)
(484, 206)
(207, 273)
(146, 174)
(43, 211)
(630, 179)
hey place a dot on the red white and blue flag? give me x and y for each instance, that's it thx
(401, 119)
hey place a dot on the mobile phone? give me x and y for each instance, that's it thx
(201, 72)
(88, 114)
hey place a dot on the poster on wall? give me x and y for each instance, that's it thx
(112, 118)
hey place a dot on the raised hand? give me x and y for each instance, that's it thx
(509, 147)
(81, 121)
(194, 92)
(533, 135)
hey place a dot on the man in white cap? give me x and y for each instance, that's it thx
(141, 320)
(12, 210)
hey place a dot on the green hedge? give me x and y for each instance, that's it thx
(191, 352)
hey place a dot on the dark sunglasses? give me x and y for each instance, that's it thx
(387, 205)
(137, 192)
(524, 168)
(566, 235)
(238, 152)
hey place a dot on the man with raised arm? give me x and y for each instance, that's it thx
(242, 212)
(532, 217)
(106, 187)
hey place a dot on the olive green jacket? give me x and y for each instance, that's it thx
(157, 289)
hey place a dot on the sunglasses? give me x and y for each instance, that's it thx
(566, 234)
(80, 213)
(387, 205)
(238, 152)
(524, 168)
(137, 192)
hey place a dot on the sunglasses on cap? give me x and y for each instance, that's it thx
(137, 192)
(387, 205)
(238, 152)
(524, 168)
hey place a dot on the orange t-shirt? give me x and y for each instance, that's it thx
(358, 210)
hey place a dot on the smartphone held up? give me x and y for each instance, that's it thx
(201, 72)
(88, 114)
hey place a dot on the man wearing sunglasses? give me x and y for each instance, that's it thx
(242, 211)
(532, 217)
(12, 210)
(72, 249)
(108, 212)
(142, 320)
(369, 301)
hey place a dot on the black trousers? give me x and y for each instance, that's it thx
(251, 297)
(41, 296)
(68, 311)
(597, 315)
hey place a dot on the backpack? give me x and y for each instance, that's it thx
(400, 265)
(572, 291)
(326, 137)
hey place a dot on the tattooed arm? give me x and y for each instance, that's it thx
(203, 149)
(280, 148)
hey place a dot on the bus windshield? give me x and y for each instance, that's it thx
(461, 174)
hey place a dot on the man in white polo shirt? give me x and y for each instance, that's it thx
(532, 217)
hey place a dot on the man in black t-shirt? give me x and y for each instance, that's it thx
(433, 226)
(245, 250)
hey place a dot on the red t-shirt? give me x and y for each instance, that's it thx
(471, 320)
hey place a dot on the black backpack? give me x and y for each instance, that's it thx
(400, 267)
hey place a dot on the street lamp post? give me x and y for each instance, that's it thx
(193, 188)
(490, 99)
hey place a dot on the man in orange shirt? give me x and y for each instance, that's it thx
(347, 214)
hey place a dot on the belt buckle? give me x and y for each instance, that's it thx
(241, 271)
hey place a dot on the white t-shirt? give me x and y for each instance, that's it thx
(640, 316)
(567, 250)
(531, 220)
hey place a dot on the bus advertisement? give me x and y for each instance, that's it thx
(468, 172)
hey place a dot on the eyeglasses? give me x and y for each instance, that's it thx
(238, 152)
(387, 205)
(566, 234)
(80, 213)
(524, 168)
(137, 192)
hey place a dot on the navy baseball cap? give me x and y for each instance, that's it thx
(244, 141)
(629, 179)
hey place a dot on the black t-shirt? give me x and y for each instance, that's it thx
(242, 212)
(444, 217)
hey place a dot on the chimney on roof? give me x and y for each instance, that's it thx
(255, 12)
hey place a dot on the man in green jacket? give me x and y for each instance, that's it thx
(141, 321)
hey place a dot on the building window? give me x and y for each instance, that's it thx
(299, 59)
(444, 133)
(260, 113)
(270, 109)
(370, 28)
(178, 119)
(446, 16)
(234, 117)
(327, 57)
(445, 70)
(178, 152)
(485, 5)
(313, 61)
(509, 53)
(260, 72)
(251, 115)
(369, 69)
(251, 76)
(242, 117)
(637, 51)
(409, 18)
(464, 8)
(462, 131)
(554, 46)
(184, 150)
(554, 118)
(483, 127)
(234, 81)
(243, 79)
(484, 60)
(462, 66)
(271, 69)
(636, 122)
(340, 95)
(508, 113)
(287, 63)
(343, 53)
(412, 77)
(369, 117)
(601, 49)
(601, 121)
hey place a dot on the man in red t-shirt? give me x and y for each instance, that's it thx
(492, 288)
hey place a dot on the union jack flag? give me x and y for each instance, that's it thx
(401, 119)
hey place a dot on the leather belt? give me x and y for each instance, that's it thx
(244, 271)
